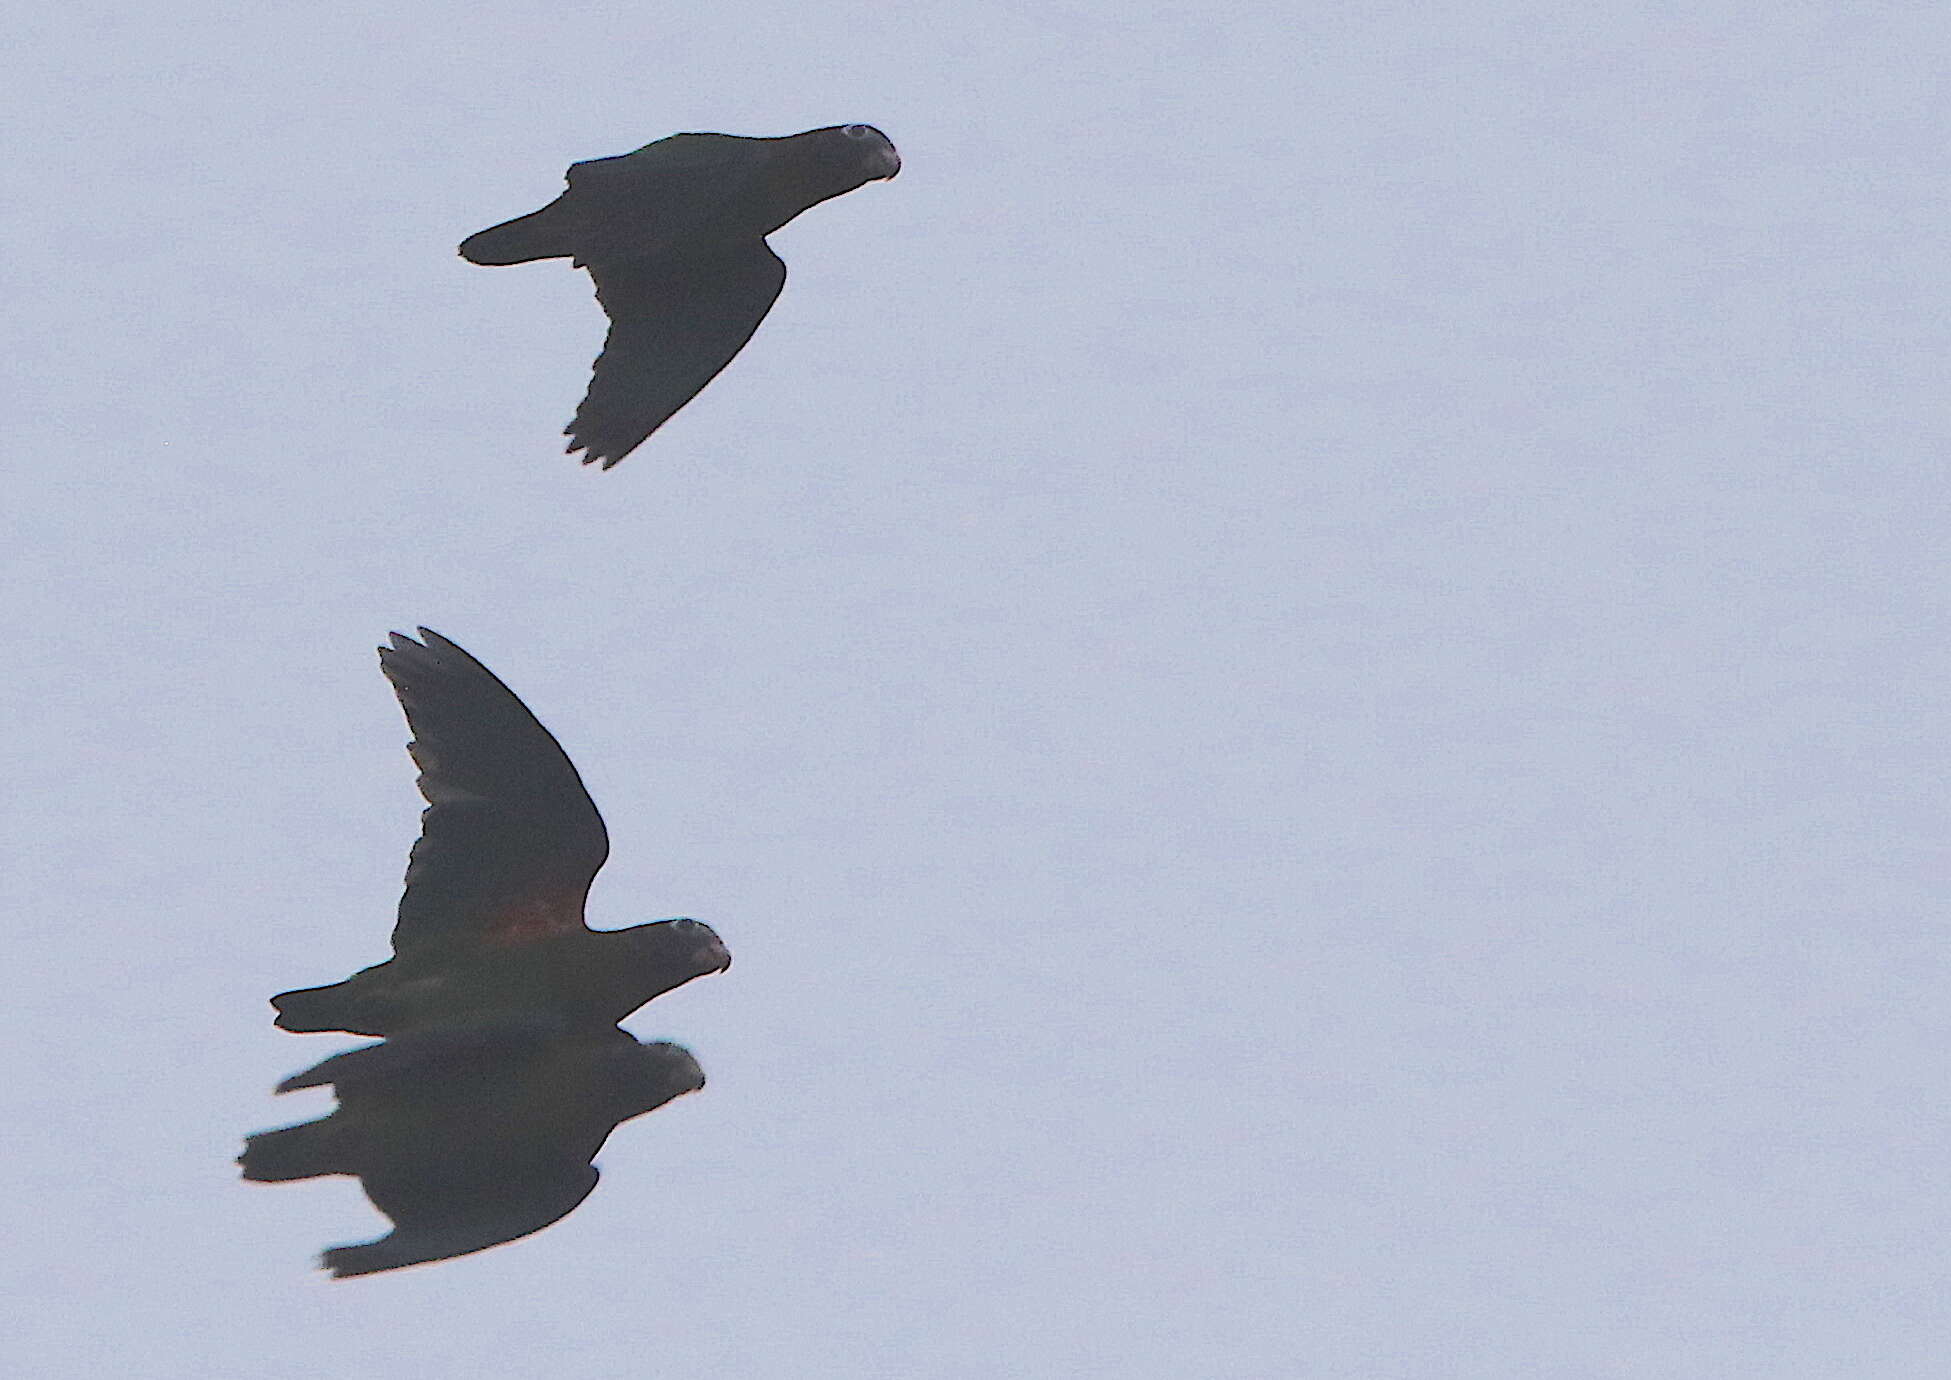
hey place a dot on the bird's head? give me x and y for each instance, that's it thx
(686, 944)
(872, 150)
(858, 153)
(817, 165)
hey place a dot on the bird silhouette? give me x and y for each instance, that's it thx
(468, 1137)
(674, 237)
(491, 922)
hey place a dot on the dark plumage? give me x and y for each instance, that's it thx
(468, 1137)
(492, 919)
(674, 235)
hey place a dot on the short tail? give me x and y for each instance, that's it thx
(295, 1152)
(538, 235)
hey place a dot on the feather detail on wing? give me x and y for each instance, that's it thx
(510, 840)
(675, 322)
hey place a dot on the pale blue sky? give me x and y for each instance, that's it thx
(1305, 670)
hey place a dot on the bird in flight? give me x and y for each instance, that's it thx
(468, 1137)
(674, 236)
(491, 922)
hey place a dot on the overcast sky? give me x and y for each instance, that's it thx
(1305, 670)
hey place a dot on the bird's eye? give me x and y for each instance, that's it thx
(858, 131)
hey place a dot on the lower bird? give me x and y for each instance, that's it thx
(491, 922)
(469, 1137)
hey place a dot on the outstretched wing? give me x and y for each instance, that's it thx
(438, 1216)
(446, 1052)
(510, 840)
(675, 321)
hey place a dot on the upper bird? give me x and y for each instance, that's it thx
(491, 924)
(674, 235)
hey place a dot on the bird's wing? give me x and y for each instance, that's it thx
(510, 840)
(439, 1215)
(438, 1052)
(674, 323)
